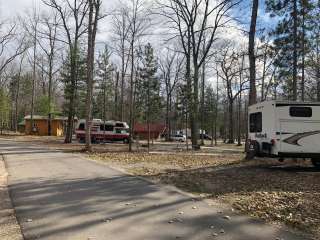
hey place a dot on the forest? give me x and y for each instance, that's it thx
(194, 64)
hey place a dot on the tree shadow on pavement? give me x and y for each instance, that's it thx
(123, 207)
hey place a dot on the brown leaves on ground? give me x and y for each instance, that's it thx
(283, 194)
(154, 164)
(266, 189)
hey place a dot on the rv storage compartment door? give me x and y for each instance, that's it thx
(299, 136)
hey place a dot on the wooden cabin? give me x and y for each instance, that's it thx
(41, 124)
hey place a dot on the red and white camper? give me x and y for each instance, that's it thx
(102, 131)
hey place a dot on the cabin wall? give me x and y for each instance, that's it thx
(42, 127)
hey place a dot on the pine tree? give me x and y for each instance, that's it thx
(4, 109)
(148, 99)
(105, 107)
(313, 53)
(80, 85)
(290, 39)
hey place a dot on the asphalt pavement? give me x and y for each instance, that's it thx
(62, 196)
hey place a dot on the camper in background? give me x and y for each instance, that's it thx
(103, 131)
(284, 130)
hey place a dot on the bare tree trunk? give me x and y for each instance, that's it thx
(252, 57)
(104, 107)
(303, 56)
(148, 113)
(167, 118)
(318, 70)
(239, 121)
(202, 102)
(16, 100)
(263, 75)
(33, 78)
(231, 125)
(131, 95)
(217, 110)
(187, 135)
(295, 51)
(50, 97)
(123, 69)
(116, 101)
(94, 7)
(225, 121)
(195, 110)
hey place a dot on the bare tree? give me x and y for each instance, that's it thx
(12, 45)
(171, 69)
(17, 94)
(139, 21)
(48, 42)
(73, 15)
(94, 16)
(196, 23)
(251, 50)
(230, 74)
(121, 29)
(30, 25)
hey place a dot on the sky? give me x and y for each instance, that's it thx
(12, 8)
(9, 8)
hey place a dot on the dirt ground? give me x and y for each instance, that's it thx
(9, 228)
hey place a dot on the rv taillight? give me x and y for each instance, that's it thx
(273, 142)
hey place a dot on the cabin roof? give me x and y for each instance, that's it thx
(39, 117)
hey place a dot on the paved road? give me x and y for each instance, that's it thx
(61, 196)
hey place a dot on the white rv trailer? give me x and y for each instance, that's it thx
(285, 130)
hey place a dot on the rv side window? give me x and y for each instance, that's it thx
(108, 128)
(256, 122)
(120, 125)
(301, 112)
(81, 126)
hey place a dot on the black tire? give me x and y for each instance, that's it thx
(253, 150)
(316, 162)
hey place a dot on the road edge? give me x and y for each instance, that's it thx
(11, 229)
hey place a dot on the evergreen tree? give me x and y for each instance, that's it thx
(313, 55)
(79, 88)
(4, 109)
(290, 39)
(148, 99)
(104, 106)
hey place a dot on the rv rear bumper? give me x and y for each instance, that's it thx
(298, 155)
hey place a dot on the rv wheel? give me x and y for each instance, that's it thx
(316, 162)
(253, 150)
